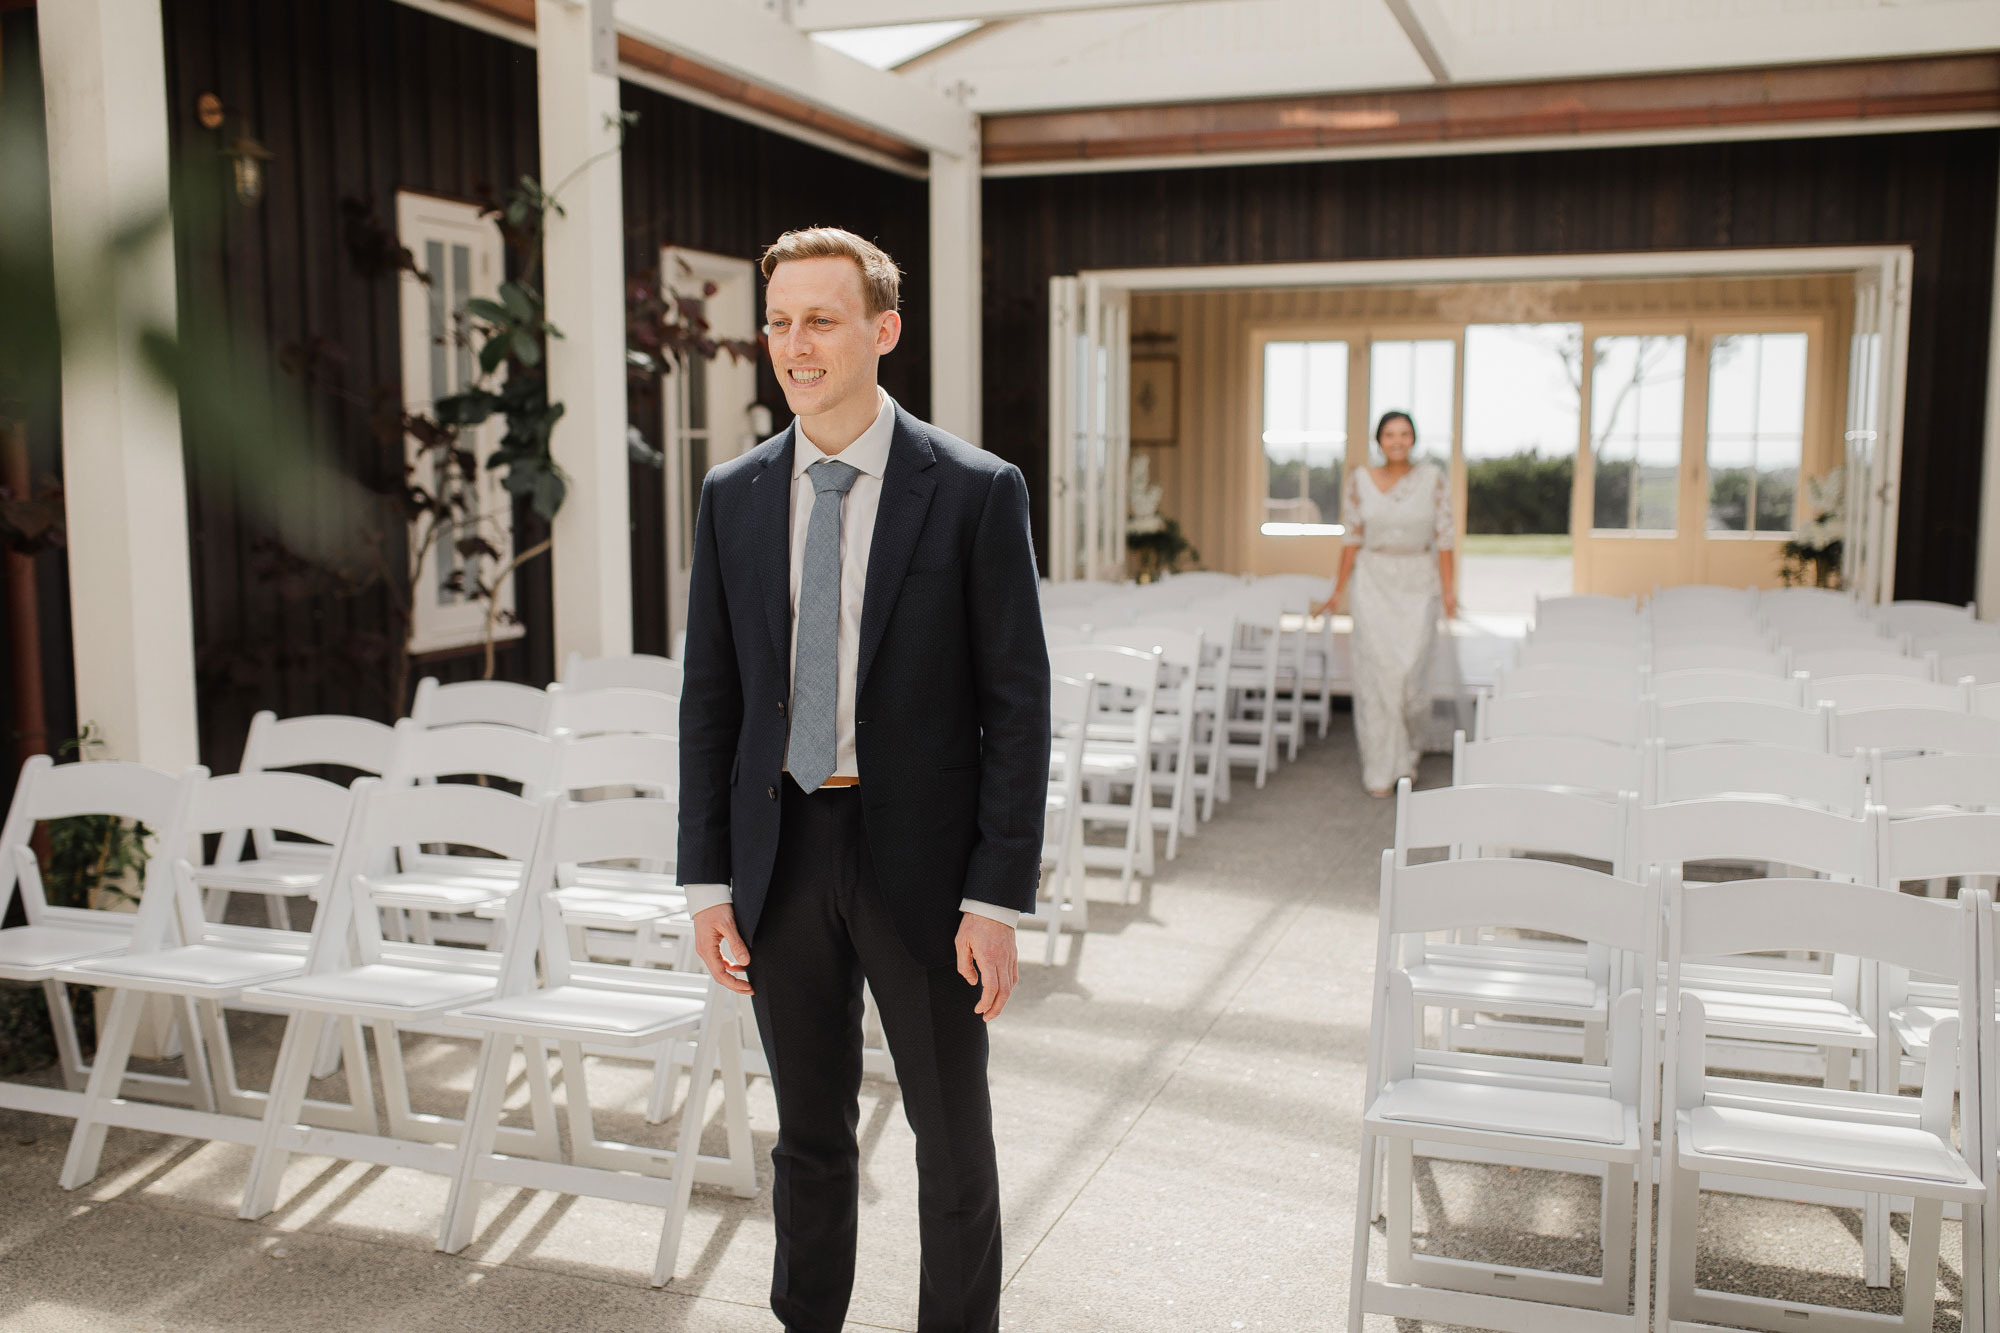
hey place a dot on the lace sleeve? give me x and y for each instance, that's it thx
(1441, 525)
(1350, 509)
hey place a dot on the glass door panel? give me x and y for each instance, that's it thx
(1523, 392)
(1304, 436)
(1637, 388)
(1418, 376)
(1756, 432)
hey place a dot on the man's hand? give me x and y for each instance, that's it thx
(715, 932)
(986, 957)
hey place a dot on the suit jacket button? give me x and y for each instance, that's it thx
(771, 792)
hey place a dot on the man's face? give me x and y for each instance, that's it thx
(824, 343)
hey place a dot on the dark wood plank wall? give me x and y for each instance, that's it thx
(1934, 192)
(703, 181)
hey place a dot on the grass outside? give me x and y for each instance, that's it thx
(1515, 543)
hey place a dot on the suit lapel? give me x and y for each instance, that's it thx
(899, 519)
(771, 511)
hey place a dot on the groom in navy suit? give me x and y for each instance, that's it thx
(864, 757)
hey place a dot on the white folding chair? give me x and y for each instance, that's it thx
(1209, 775)
(1248, 708)
(1821, 662)
(498, 703)
(613, 710)
(1980, 665)
(1986, 1146)
(578, 1004)
(255, 860)
(1814, 777)
(1619, 656)
(1704, 599)
(1616, 721)
(1911, 784)
(1742, 721)
(1117, 753)
(1673, 658)
(1931, 848)
(1846, 693)
(1058, 635)
(1592, 1118)
(353, 972)
(1690, 630)
(1174, 719)
(1863, 638)
(436, 893)
(629, 671)
(1586, 609)
(1300, 593)
(1569, 678)
(1920, 617)
(1675, 687)
(1574, 763)
(1913, 730)
(1526, 996)
(1811, 1141)
(1062, 827)
(198, 965)
(57, 934)
(1267, 640)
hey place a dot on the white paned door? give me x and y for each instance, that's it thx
(1090, 412)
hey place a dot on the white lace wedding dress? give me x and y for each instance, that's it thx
(1394, 598)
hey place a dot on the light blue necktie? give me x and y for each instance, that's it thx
(813, 749)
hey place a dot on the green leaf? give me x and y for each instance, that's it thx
(526, 348)
(550, 489)
(466, 409)
(520, 303)
(491, 353)
(490, 311)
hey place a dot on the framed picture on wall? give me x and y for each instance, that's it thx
(1156, 400)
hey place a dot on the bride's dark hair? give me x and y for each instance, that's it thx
(1395, 415)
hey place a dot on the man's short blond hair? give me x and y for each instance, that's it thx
(881, 280)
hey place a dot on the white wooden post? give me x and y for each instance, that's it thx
(583, 256)
(125, 486)
(955, 290)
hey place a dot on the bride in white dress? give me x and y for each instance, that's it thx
(1397, 573)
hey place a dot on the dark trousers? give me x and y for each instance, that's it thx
(823, 929)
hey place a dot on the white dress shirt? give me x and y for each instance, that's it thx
(869, 455)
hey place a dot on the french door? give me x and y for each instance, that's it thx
(1873, 441)
(1090, 442)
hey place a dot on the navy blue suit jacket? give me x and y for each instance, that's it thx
(951, 702)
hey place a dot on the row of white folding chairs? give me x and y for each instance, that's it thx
(1825, 1144)
(347, 977)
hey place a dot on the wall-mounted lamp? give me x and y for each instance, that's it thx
(246, 156)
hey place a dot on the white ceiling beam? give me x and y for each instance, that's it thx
(1194, 78)
(762, 49)
(1426, 27)
(832, 15)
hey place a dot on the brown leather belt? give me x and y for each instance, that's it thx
(841, 782)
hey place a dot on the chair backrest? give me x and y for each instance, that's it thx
(1863, 636)
(133, 792)
(1629, 633)
(475, 749)
(498, 703)
(1691, 629)
(649, 763)
(1818, 662)
(1926, 730)
(388, 817)
(1938, 846)
(1176, 647)
(1697, 772)
(629, 671)
(581, 833)
(270, 802)
(1576, 763)
(1676, 657)
(613, 710)
(1069, 700)
(1569, 678)
(1736, 828)
(1544, 896)
(1851, 692)
(1805, 601)
(1058, 634)
(1705, 599)
(1618, 721)
(1935, 781)
(1127, 668)
(1981, 665)
(1586, 608)
(1675, 687)
(1921, 617)
(1609, 656)
(1536, 819)
(1751, 721)
(330, 740)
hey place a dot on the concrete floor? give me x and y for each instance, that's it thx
(1176, 1104)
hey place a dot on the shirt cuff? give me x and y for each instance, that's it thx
(1006, 916)
(701, 897)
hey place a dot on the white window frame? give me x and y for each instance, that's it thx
(438, 625)
(733, 427)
